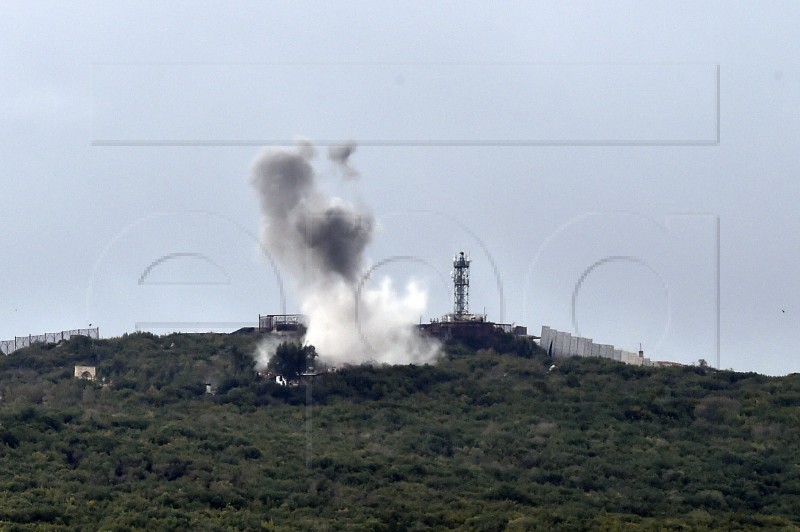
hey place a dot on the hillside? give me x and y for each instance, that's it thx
(481, 441)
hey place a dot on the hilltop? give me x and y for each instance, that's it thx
(482, 440)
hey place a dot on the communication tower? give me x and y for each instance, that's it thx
(460, 285)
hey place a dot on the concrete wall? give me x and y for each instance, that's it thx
(584, 347)
(547, 337)
(565, 345)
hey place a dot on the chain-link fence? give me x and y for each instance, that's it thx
(9, 346)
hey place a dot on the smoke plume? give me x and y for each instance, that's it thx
(340, 155)
(320, 241)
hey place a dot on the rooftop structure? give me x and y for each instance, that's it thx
(281, 322)
(460, 285)
(460, 276)
(461, 323)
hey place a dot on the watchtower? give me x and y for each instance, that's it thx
(460, 285)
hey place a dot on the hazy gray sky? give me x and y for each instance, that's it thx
(587, 151)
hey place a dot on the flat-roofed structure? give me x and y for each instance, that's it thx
(282, 322)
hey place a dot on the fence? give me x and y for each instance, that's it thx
(9, 346)
(281, 322)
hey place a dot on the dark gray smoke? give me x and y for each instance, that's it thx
(337, 238)
(320, 241)
(319, 235)
(283, 180)
(340, 155)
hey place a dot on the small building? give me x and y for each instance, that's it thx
(471, 331)
(669, 364)
(461, 324)
(282, 322)
(86, 372)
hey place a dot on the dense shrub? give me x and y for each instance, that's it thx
(482, 440)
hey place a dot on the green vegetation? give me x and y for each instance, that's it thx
(291, 359)
(481, 441)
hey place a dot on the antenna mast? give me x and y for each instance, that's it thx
(460, 285)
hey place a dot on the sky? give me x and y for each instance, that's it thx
(620, 170)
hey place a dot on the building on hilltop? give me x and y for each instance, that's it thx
(86, 372)
(282, 322)
(461, 324)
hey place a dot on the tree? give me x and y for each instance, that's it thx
(291, 359)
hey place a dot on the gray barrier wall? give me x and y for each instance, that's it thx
(563, 344)
(584, 347)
